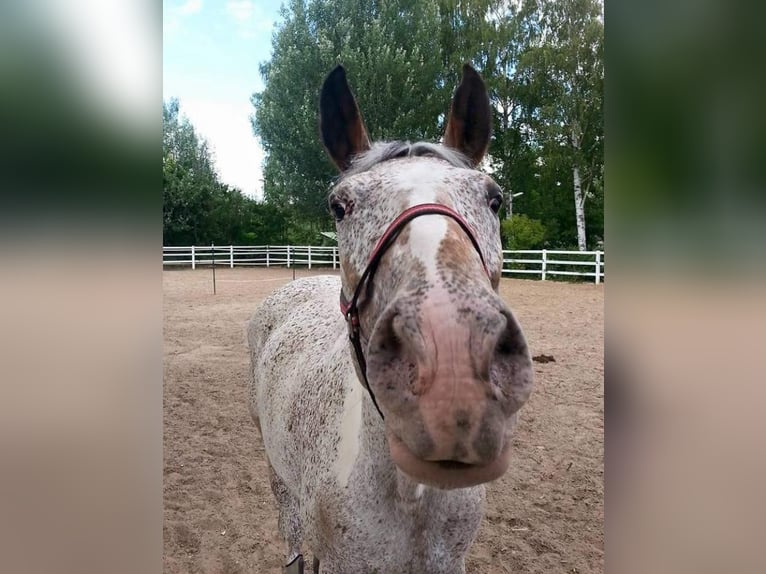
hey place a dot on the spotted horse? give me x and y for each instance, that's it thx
(387, 397)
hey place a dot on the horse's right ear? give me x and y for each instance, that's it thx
(343, 132)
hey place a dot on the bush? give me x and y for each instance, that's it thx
(521, 232)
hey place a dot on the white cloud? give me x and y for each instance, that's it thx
(251, 21)
(226, 126)
(241, 10)
(189, 7)
(173, 14)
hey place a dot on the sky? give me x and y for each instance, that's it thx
(211, 53)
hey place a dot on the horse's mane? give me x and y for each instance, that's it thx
(383, 151)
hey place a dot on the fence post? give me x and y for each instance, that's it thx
(334, 252)
(194, 262)
(288, 257)
(212, 255)
(598, 266)
(309, 256)
(544, 266)
(267, 256)
(502, 263)
(231, 257)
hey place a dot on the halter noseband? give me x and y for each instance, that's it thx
(350, 309)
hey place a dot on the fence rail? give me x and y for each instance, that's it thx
(547, 264)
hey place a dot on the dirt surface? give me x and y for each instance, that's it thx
(545, 515)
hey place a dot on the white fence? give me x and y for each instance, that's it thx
(551, 263)
(543, 263)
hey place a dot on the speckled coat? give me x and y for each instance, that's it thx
(445, 357)
(338, 491)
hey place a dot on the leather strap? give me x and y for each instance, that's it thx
(350, 309)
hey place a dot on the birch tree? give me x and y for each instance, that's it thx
(568, 72)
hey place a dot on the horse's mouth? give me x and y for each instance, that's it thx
(446, 474)
(453, 464)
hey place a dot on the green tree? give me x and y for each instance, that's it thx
(514, 28)
(391, 51)
(521, 232)
(197, 208)
(189, 180)
(566, 71)
(542, 62)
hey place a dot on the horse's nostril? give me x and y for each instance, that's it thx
(506, 345)
(510, 341)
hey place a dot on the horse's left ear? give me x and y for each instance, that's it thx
(343, 131)
(470, 119)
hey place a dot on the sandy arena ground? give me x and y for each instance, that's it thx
(545, 515)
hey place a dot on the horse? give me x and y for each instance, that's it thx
(386, 397)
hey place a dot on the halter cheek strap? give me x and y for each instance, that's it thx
(350, 309)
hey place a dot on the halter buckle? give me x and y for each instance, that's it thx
(352, 321)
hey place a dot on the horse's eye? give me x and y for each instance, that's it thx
(495, 203)
(338, 210)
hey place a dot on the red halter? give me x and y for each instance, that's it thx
(350, 309)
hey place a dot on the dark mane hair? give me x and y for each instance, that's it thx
(383, 151)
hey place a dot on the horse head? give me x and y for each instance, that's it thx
(419, 240)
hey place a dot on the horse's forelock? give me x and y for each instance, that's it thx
(384, 151)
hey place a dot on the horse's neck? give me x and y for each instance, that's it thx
(374, 446)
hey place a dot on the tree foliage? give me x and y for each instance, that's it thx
(392, 51)
(542, 61)
(565, 70)
(521, 232)
(197, 208)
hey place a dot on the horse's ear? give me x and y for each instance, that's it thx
(470, 119)
(343, 132)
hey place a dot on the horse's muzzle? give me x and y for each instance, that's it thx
(446, 474)
(449, 379)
